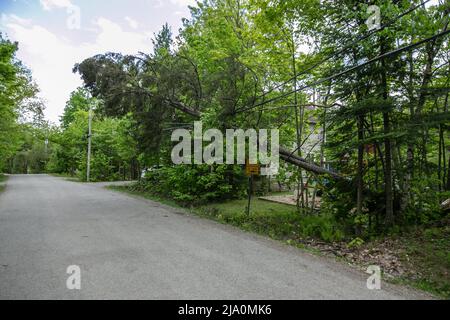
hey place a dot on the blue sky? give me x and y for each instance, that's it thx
(53, 35)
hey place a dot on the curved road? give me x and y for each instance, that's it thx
(129, 248)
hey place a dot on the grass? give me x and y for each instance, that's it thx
(76, 178)
(3, 179)
(66, 176)
(426, 252)
(257, 207)
(278, 221)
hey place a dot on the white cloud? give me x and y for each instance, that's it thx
(48, 5)
(184, 3)
(52, 57)
(132, 23)
(158, 4)
(112, 38)
(12, 18)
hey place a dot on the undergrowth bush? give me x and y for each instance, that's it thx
(286, 225)
(101, 168)
(196, 184)
(422, 207)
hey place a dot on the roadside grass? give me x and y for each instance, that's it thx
(426, 252)
(66, 177)
(76, 178)
(3, 179)
(277, 221)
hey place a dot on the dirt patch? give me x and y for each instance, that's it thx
(420, 257)
(290, 200)
(385, 254)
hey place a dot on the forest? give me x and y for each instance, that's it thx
(359, 91)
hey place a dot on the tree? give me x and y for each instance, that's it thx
(79, 101)
(18, 102)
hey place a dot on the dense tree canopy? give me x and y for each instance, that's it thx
(18, 104)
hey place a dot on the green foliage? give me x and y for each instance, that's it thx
(324, 227)
(340, 202)
(196, 184)
(21, 115)
(424, 205)
(32, 153)
(279, 221)
(101, 168)
(79, 101)
(114, 153)
(356, 243)
(426, 252)
(16, 89)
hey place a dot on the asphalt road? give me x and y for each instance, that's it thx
(129, 248)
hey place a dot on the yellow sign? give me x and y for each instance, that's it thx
(252, 169)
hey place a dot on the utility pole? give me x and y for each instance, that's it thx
(88, 171)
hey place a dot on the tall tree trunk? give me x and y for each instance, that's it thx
(444, 149)
(388, 183)
(404, 202)
(360, 177)
(299, 127)
(388, 172)
(324, 127)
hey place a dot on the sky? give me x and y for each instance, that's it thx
(54, 35)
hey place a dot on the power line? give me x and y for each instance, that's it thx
(269, 108)
(347, 47)
(354, 68)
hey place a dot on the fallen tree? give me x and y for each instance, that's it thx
(285, 154)
(291, 158)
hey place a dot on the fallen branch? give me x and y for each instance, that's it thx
(302, 163)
